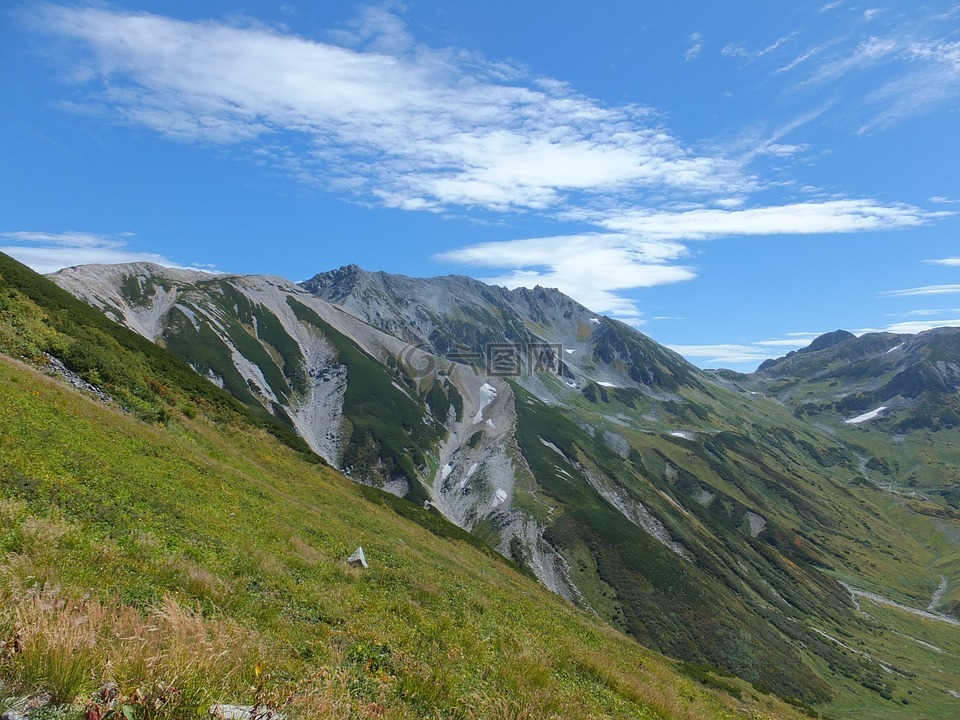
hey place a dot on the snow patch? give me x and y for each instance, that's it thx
(605, 384)
(488, 394)
(682, 434)
(466, 477)
(447, 469)
(568, 351)
(866, 416)
(553, 447)
(595, 321)
(894, 348)
(499, 497)
(490, 424)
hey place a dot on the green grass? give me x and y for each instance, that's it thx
(226, 528)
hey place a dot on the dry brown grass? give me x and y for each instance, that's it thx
(170, 657)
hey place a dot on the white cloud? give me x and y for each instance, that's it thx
(927, 313)
(931, 76)
(834, 216)
(49, 252)
(915, 73)
(741, 353)
(739, 50)
(799, 59)
(722, 353)
(918, 326)
(925, 290)
(693, 52)
(947, 262)
(430, 128)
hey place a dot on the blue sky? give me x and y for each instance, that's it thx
(732, 178)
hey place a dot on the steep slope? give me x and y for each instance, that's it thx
(199, 560)
(708, 523)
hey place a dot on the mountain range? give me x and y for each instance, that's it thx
(767, 524)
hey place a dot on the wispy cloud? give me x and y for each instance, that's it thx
(891, 76)
(930, 77)
(946, 262)
(693, 52)
(912, 327)
(430, 128)
(949, 289)
(49, 252)
(833, 216)
(721, 354)
(739, 50)
(744, 353)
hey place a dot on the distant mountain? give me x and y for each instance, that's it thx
(706, 521)
(913, 378)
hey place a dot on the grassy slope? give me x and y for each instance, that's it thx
(228, 521)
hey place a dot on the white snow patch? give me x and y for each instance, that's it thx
(499, 497)
(595, 321)
(894, 348)
(488, 394)
(866, 416)
(463, 481)
(568, 351)
(682, 434)
(447, 469)
(605, 384)
(553, 447)
(490, 424)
